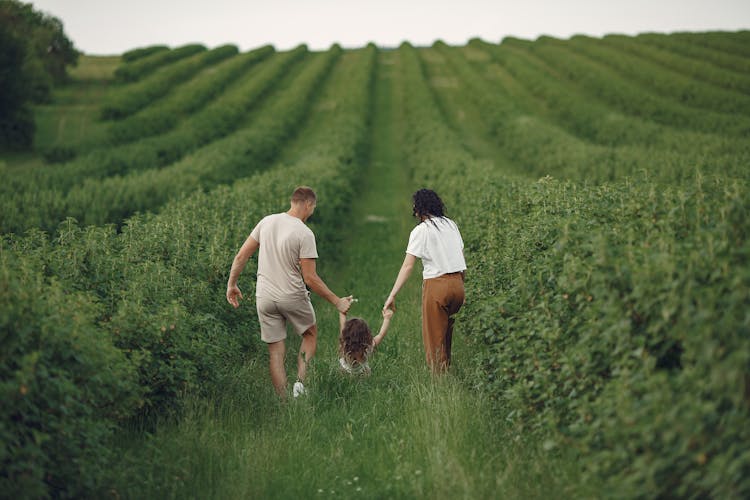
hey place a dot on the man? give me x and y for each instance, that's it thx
(286, 263)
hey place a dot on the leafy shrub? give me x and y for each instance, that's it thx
(134, 54)
(63, 385)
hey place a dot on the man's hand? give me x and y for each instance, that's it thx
(233, 295)
(344, 303)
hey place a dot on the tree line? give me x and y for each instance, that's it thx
(35, 53)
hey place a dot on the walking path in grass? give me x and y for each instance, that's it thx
(399, 433)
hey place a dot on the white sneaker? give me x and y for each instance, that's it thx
(298, 389)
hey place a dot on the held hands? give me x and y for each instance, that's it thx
(233, 295)
(344, 303)
(388, 313)
(390, 303)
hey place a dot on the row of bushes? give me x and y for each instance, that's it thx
(165, 114)
(614, 316)
(694, 68)
(620, 93)
(130, 321)
(152, 60)
(592, 120)
(718, 58)
(38, 198)
(535, 146)
(128, 99)
(734, 43)
(250, 149)
(565, 102)
(141, 52)
(667, 83)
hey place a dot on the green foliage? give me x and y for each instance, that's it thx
(16, 121)
(135, 68)
(49, 51)
(614, 315)
(131, 98)
(215, 121)
(34, 55)
(134, 54)
(167, 113)
(608, 304)
(63, 385)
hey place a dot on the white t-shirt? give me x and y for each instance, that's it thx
(439, 245)
(284, 240)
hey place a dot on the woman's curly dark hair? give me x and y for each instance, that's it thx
(427, 203)
(355, 340)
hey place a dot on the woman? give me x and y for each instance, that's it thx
(437, 241)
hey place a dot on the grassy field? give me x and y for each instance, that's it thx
(603, 350)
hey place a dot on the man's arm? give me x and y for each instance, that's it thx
(240, 260)
(316, 284)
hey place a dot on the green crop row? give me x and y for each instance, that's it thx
(139, 53)
(536, 147)
(720, 59)
(136, 69)
(614, 316)
(149, 320)
(677, 151)
(622, 94)
(694, 68)
(128, 99)
(667, 83)
(725, 42)
(237, 155)
(185, 99)
(584, 116)
(38, 198)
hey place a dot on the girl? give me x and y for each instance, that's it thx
(356, 343)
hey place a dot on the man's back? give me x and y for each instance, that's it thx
(284, 240)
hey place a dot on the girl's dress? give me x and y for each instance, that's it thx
(354, 368)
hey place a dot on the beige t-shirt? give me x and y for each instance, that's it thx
(284, 240)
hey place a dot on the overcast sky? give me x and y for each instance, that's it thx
(112, 27)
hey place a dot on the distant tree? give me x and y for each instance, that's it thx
(16, 118)
(34, 56)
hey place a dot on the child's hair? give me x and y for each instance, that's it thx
(355, 341)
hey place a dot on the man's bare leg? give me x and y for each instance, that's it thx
(306, 351)
(276, 353)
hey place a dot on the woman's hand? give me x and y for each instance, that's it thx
(390, 303)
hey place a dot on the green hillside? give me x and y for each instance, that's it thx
(601, 188)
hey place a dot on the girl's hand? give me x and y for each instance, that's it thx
(388, 313)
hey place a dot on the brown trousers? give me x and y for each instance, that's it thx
(442, 297)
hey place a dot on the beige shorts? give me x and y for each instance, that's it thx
(274, 315)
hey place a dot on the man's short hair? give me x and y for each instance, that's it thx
(303, 194)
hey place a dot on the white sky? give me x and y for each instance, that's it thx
(112, 27)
